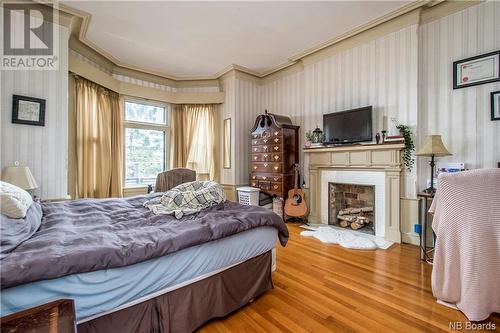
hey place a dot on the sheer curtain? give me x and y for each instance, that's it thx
(194, 139)
(99, 141)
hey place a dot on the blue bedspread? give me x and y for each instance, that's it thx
(104, 290)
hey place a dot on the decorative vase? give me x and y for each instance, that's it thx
(377, 138)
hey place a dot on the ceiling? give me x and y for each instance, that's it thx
(193, 39)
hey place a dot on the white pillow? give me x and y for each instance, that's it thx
(14, 201)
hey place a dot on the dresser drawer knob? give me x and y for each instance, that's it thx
(275, 187)
(264, 178)
(255, 158)
(276, 157)
(276, 133)
(255, 142)
(265, 140)
(276, 167)
(265, 155)
(275, 147)
(255, 149)
(265, 165)
(276, 179)
(255, 136)
(253, 177)
(254, 184)
(265, 147)
(255, 167)
(276, 140)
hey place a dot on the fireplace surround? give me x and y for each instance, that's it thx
(371, 164)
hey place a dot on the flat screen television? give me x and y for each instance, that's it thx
(348, 126)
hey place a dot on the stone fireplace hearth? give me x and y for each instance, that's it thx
(352, 206)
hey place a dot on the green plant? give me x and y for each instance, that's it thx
(315, 136)
(309, 136)
(408, 158)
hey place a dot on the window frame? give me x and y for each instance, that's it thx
(146, 126)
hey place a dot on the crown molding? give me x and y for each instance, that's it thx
(81, 28)
(88, 71)
(392, 15)
(415, 12)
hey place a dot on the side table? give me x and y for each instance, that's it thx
(424, 202)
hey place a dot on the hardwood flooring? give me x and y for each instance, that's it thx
(326, 288)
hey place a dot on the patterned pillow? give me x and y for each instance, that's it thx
(14, 201)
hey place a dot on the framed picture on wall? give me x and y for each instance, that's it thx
(495, 105)
(476, 70)
(28, 110)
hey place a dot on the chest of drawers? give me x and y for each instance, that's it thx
(274, 152)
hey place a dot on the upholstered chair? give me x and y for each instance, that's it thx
(171, 178)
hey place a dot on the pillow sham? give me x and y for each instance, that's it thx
(14, 201)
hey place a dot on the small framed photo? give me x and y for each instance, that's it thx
(28, 110)
(476, 70)
(495, 105)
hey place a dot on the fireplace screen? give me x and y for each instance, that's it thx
(352, 206)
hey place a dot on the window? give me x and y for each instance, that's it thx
(146, 134)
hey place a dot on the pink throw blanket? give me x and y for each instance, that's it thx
(466, 269)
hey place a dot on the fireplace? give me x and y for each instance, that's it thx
(352, 206)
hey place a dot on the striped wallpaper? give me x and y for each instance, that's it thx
(227, 110)
(407, 75)
(42, 149)
(241, 105)
(461, 116)
(382, 73)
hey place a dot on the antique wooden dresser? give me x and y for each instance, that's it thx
(275, 151)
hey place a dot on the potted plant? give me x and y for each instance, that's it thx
(309, 139)
(408, 158)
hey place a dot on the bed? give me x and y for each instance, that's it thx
(129, 270)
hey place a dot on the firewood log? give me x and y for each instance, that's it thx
(344, 224)
(362, 220)
(349, 218)
(350, 211)
(356, 226)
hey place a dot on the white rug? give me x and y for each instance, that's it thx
(349, 239)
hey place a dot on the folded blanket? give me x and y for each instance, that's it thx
(187, 199)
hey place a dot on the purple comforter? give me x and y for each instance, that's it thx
(88, 235)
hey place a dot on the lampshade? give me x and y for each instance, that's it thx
(433, 146)
(20, 176)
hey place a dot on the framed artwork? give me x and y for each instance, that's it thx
(476, 70)
(28, 110)
(226, 131)
(495, 105)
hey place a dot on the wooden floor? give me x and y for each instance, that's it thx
(325, 288)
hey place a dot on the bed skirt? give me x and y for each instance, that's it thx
(187, 308)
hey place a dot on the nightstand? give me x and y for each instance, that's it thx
(424, 203)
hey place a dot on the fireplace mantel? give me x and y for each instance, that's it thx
(384, 158)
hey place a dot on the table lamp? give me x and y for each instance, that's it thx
(20, 176)
(433, 146)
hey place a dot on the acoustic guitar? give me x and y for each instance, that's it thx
(295, 204)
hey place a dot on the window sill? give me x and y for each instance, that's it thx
(134, 190)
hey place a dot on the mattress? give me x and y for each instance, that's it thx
(104, 291)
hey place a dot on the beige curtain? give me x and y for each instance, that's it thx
(99, 141)
(195, 139)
